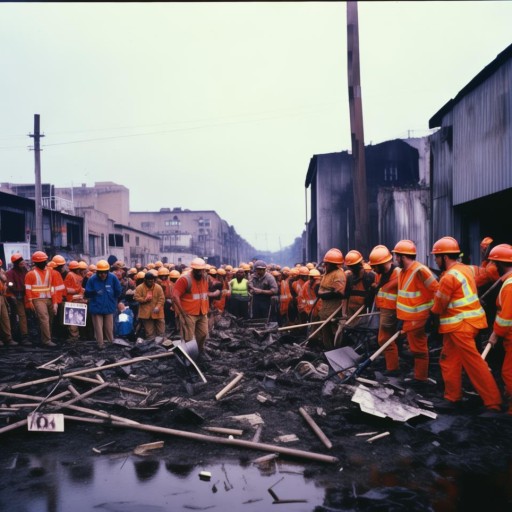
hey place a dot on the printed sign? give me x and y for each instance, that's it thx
(46, 422)
(75, 313)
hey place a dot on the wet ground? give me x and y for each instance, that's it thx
(438, 460)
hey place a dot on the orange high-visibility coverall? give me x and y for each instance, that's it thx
(503, 328)
(416, 288)
(285, 296)
(461, 316)
(385, 301)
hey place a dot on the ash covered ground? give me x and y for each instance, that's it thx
(418, 465)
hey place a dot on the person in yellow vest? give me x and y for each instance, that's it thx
(240, 298)
(416, 288)
(386, 285)
(190, 299)
(151, 298)
(460, 318)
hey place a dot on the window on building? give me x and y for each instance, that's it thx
(147, 226)
(115, 240)
(175, 221)
(391, 173)
(127, 238)
(204, 222)
(137, 240)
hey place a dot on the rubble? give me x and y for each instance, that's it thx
(110, 409)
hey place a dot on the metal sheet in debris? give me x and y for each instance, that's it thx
(382, 402)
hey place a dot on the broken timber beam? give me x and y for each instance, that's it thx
(316, 429)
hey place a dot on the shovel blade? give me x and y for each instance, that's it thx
(342, 358)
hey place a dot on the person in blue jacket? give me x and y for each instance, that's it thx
(103, 290)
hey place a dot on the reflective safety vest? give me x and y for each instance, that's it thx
(195, 299)
(239, 288)
(285, 296)
(387, 294)
(503, 320)
(416, 288)
(459, 288)
(73, 284)
(307, 299)
(38, 284)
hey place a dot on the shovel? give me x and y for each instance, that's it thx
(339, 332)
(366, 363)
(327, 320)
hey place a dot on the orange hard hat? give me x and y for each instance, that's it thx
(285, 269)
(353, 257)
(140, 275)
(162, 271)
(82, 265)
(52, 264)
(310, 265)
(334, 256)
(73, 265)
(221, 272)
(198, 264)
(59, 260)
(303, 271)
(446, 245)
(275, 273)
(212, 271)
(132, 271)
(315, 273)
(174, 274)
(229, 268)
(380, 254)
(102, 266)
(405, 247)
(294, 271)
(158, 264)
(15, 257)
(502, 252)
(92, 267)
(39, 256)
(486, 242)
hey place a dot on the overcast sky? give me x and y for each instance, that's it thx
(220, 106)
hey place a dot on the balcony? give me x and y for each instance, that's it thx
(58, 204)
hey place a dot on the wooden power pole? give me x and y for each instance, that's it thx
(38, 192)
(357, 132)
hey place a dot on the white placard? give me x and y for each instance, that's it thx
(46, 422)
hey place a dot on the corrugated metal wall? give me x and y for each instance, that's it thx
(404, 214)
(482, 138)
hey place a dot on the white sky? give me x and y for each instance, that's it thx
(221, 106)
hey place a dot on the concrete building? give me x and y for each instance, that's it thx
(185, 234)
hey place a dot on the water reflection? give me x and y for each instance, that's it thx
(128, 483)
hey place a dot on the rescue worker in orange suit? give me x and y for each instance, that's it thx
(59, 329)
(285, 297)
(460, 318)
(332, 292)
(310, 303)
(359, 284)
(41, 295)
(386, 285)
(74, 293)
(164, 281)
(5, 322)
(416, 288)
(501, 255)
(297, 287)
(190, 299)
(293, 311)
(220, 303)
(150, 297)
(16, 294)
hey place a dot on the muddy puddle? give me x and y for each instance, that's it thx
(51, 482)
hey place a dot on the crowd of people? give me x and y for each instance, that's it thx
(75, 300)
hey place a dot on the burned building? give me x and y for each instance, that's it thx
(471, 160)
(397, 197)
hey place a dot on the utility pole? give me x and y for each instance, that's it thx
(38, 195)
(357, 132)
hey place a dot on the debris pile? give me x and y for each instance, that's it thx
(264, 392)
